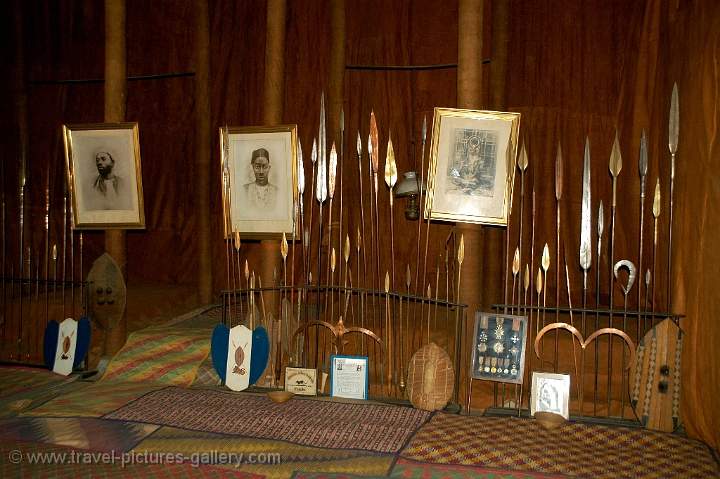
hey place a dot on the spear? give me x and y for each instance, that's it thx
(437, 292)
(673, 132)
(4, 247)
(362, 215)
(458, 344)
(656, 214)
(421, 186)
(408, 279)
(526, 284)
(226, 213)
(545, 263)
(390, 181)
(648, 277)
(47, 246)
(615, 167)
(313, 179)
(523, 164)
(375, 154)
(332, 172)
(374, 273)
(388, 336)
(249, 296)
(558, 197)
(321, 196)
(341, 147)
(283, 319)
(642, 167)
(625, 289)
(346, 257)
(586, 219)
(21, 195)
(64, 244)
(601, 225)
(538, 290)
(301, 223)
(429, 297)
(361, 311)
(237, 259)
(54, 258)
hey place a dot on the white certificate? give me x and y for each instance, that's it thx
(349, 377)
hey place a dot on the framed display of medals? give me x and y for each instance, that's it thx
(498, 352)
(301, 381)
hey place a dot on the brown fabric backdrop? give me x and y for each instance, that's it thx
(573, 69)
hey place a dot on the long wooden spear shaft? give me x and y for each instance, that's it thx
(545, 263)
(321, 196)
(388, 337)
(615, 167)
(390, 181)
(64, 245)
(585, 226)
(362, 216)
(300, 228)
(458, 317)
(600, 228)
(522, 164)
(47, 247)
(421, 187)
(626, 290)
(4, 247)
(673, 133)
(515, 271)
(21, 220)
(313, 181)
(332, 175)
(341, 148)
(375, 163)
(54, 259)
(558, 197)
(656, 214)
(642, 167)
(283, 316)
(238, 244)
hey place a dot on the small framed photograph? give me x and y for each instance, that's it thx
(259, 175)
(550, 393)
(499, 347)
(301, 381)
(349, 377)
(103, 169)
(472, 166)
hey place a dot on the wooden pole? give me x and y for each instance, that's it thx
(115, 105)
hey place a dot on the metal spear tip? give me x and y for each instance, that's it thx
(407, 275)
(358, 240)
(648, 277)
(461, 250)
(674, 121)
(522, 160)
(374, 141)
(527, 276)
(237, 240)
(346, 251)
(546, 258)
(247, 270)
(306, 237)
(300, 168)
(516, 262)
(615, 158)
(387, 281)
(314, 153)
(624, 263)
(359, 144)
(643, 164)
(332, 172)
(601, 219)
(656, 200)
(284, 247)
(424, 128)
(559, 172)
(539, 282)
(54, 252)
(332, 260)
(390, 166)
(342, 119)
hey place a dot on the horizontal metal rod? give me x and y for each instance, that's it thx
(601, 311)
(71, 81)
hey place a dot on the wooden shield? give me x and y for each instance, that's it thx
(430, 378)
(108, 294)
(655, 377)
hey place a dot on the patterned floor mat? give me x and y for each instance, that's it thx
(573, 449)
(370, 427)
(406, 469)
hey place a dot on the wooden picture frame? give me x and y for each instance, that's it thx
(259, 180)
(349, 376)
(102, 163)
(550, 393)
(472, 166)
(498, 352)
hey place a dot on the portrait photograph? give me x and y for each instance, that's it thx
(258, 170)
(103, 169)
(550, 393)
(472, 166)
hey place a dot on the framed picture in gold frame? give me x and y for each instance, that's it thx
(102, 163)
(472, 166)
(258, 170)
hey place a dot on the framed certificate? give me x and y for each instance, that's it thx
(349, 377)
(301, 381)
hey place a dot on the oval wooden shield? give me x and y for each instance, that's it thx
(431, 378)
(107, 292)
(655, 377)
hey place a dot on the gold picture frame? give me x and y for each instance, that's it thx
(102, 163)
(472, 166)
(258, 203)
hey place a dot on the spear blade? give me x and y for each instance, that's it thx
(332, 260)
(559, 173)
(615, 158)
(516, 262)
(390, 166)
(321, 189)
(546, 258)
(322, 134)
(656, 200)
(358, 146)
(539, 283)
(523, 158)
(374, 142)
(674, 122)
(314, 153)
(346, 250)
(643, 165)
(237, 240)
(601, 220)
(526, 279)
(284, 247)
(332, 172)
(461, 250)
(586, 214)
(300, 169)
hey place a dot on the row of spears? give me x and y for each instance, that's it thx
(39, 281)
(522, 287)
(363, 312)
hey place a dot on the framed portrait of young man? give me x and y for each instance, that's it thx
(258, 174)
(104, 176)
(472, 166)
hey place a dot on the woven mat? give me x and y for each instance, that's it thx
(163, 356)
(573, 449)
(369, 427)
(406, 469)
